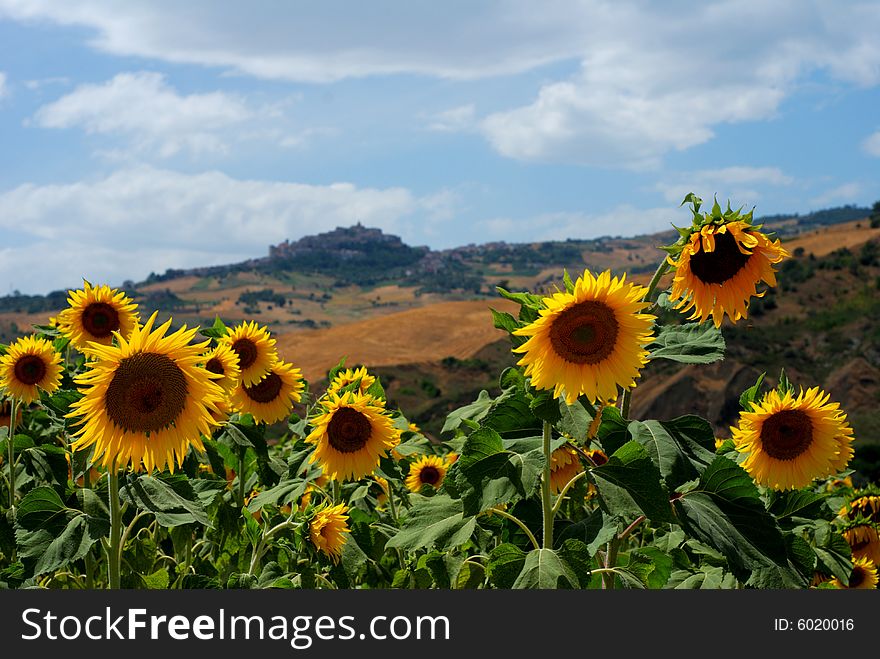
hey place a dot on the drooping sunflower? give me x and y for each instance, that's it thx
(427, 470)
(222, 361)
(328, 529)
(30, 364)
(864, 541)
(720, 261)
(351, 435)
(95, 313)
(255, 349)
(864, 575)
(589, 341)
(565, 464)
(146, 400)
(272, 398)
(790, 440)
(350, 376)
(865, 505)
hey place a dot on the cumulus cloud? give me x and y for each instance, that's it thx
(871, 145)
(740, 184)
(847, 193)
(144, 108)
(454, 120)
(145, 219)
(3, 91)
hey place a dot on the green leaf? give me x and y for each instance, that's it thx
(833, 552)
(655, 566)
(158, 580)
(691, 343)
(436, 521)
(578, 557)
(473, 412)
(543, 568)
(613, 431)
(594, 530)
(798, 504)
(574, 420)
(630, 482)
(287, 491)
(470, 576)
(750, 395)
(505, 563)
(681, 449)
(545, 407)
(217, 330)
(41, 508)
(171, 499)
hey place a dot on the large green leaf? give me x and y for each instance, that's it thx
(41, 508)
(630, 483)
(574, 420)
(681, 448)
(505, 563)
(171, 499)
(833, 552)
(472, 412)
(72, 543)
(725, 512)
(436, 521)
(594, 530)
(544, 568)
(691, 343)
(613, 432)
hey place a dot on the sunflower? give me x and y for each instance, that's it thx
(272, 398)
(589, 341)
(255, 349)
(792, 440)
(327, 530)
(864, 575)
(223, 362)
(721, 260)
(382, 497)
(427, 470)
(350, 376)
(95, 313)
(146, 400)
(597, 456)
(564, 465)
(866, 505)
(30, 364)
(864, 541)
(351, 435)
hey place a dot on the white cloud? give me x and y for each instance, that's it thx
(144, 219)
(454, 120)
(39, 83)
(740, 184)
(847, 193)
(143, 108)
(871, 145)
(3, 91)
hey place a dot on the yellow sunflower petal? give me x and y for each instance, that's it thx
(30, 364)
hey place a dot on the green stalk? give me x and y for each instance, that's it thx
(392, 508)
(90, 565)
(241, 454)
(546, 497)
(115, 550)
(337, 493)
(13, 410)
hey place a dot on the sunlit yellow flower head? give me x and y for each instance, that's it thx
(350, 376)
(720, 262)
(146, 400)
(255, 349)
(565, 464)
(590, 341)
(272, 398)
(328, 529)
(427, 470)
(864, 575)
(30, 364)
(222, 361)
(790, 440)
(95, 313)
(350, 435)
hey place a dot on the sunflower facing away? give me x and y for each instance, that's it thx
(30, 364)
(222, 361)
(255, 349)
(427, 470)
(864, 541)
(146, 400)
(272, 398)
(565, 464)
(589, 341)
(94, 313)
(720, 263)
(351, 435)
(350, 376)
(866, 505)
(327, 530)
(792, 440)
(864, 575)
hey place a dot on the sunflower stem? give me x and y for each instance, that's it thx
(337, 493)
(392, 508)
(610, 561)
(13, 410)
(655, 280)
(241, 454)
(90, 564)
(546, 497)
(114, 551)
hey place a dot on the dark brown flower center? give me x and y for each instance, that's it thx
(30, 369)
(214, 365)
(585, 333)
(859, 574)
(266, 390)
(100, 320)
(430, 475)
(599, 458)
(147, 393)
(787, 434)
(246, 351)
(720, 265)
(348, 430)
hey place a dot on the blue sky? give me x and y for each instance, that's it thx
(138, 136)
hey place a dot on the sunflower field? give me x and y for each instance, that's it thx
(141, 455)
